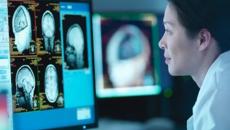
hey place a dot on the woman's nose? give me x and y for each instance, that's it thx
(161, 43)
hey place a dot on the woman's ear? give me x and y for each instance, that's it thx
(205, 39)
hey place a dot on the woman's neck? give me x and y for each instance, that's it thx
(207, 60)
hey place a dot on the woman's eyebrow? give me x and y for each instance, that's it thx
(169, 23)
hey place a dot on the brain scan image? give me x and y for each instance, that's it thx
(21, 25)
(127, 53)
(51, 83)
(48, 30)
(75, 47)
(25, 86)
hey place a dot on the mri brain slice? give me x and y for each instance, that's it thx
(51, 83)
(21, 25)
(48, 30)
(75, 46)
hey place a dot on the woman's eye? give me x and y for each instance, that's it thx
(168, 31)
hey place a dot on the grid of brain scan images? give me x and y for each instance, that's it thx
(35, 49)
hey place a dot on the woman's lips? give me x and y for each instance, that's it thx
(167, 60)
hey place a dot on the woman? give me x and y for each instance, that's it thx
(196, 42)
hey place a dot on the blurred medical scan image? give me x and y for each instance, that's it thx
(75, 43)
(25, 86)
(127, 52)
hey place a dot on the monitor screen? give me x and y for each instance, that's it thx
(6, 119)
(49, 50)
(126, 54)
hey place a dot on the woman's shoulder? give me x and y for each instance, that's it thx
(223, 62)
(222, 71)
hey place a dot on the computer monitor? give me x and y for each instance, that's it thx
(48, 50)
(126, 54)
(6, 119)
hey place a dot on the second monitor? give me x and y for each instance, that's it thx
(126, 54)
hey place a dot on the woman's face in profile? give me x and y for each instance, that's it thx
(179, 49)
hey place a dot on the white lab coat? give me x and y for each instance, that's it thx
(212, 108)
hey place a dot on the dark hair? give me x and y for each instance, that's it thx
(213, 15)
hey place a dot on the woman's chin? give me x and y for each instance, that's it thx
(173, 71)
